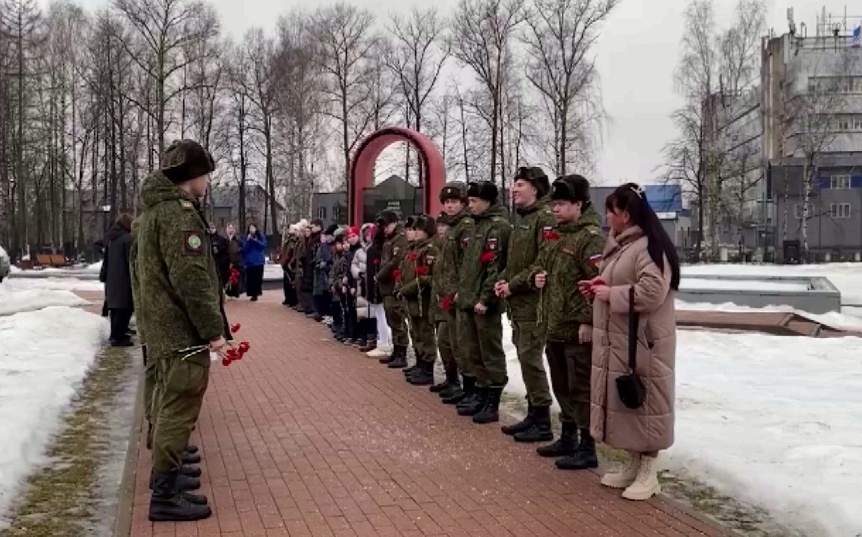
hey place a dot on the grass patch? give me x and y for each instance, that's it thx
(59, 500)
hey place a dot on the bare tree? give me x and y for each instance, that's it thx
(560, 37)
(238, 118)
(166, 28)
(482, 34)
(346, 43)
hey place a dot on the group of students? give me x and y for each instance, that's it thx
(599, 308)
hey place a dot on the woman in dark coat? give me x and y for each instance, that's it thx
(117, 277)
(254, 258)
(312, 243)
(235, 258)
(221, 254)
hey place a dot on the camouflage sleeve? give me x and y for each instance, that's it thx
(542, 262)
(136, 288)
(591, 254)
(522, 283)
(188, 262)
(399, 248)
(499, 233)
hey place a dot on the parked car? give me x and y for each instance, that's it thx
(5, 264)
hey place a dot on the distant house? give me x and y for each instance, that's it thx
(665, 200)
(225, 208)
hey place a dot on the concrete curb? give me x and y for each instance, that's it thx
(125, 503)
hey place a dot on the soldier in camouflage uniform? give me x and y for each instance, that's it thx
(414, 289)
(180, 308)
(394, 248)
(482, 335)
(438, 316)
(529, 191)
(570, 254)
(453, 196)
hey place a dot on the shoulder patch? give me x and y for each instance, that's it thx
(192, 243)
(186, 204)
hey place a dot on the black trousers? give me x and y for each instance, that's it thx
(254, 280)
(120, 324)
(290, 298)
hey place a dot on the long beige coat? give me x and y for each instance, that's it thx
(626, 262)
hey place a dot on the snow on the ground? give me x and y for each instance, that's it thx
(52, 284)
(95, 267)
(19, 300)
(44, 355)
(770, 420)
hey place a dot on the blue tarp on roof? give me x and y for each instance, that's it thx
(664, 198)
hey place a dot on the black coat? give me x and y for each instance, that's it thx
(372, 292)
(115, 271)
(308, 266)
(221, 254)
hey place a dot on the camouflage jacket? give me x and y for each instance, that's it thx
(566, 258)
(179, 291)
(524, 243)
(136, 283)
(437, 274)
(484, 258)
(452, 255)
(394, 248)
(416, 273)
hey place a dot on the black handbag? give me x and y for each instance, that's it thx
(630, 387)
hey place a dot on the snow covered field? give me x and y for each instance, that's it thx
(46, 348)
(774, 421)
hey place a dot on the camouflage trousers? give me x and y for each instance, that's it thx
(422, 334)
(444, 344)
(482, 337)
(149, 394)
(396, 318)
(177, 401)
(453, 325)
(571, 364)
(529, 340)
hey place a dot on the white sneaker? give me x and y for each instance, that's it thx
(646, 483)
(625, 476)
(379, 352)
(327, 321)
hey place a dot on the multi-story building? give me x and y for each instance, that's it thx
(811, 95)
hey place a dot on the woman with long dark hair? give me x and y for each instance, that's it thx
(383, 345)
(634, 298)
(254, 258)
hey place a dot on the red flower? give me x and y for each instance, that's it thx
(421, 270)
(396, 274)
(551, 235)
(487, 257)
(447, 303)
(244, 347)
(234, 328)
(226, 361)
(412, 256)
(376, 262)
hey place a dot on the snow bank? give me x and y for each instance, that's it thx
(52, 284)
(95, 267)
(44, 355)
(17, 300)
(774, 421)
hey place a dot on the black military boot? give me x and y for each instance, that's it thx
(190, 471)
(452, 383)
(540, 429)
(565, 444)
(490, 413)
(392, 356)
(184, 484)
(400, 361)
(471, 391)
(477, 403)
(522, 425)
(460, 395)
(167, 504)
(191, 458)
(584, 457)
(190, 448)
(424, 375)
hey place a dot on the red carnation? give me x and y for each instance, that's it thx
(421, 270)
(234, 328)
(396, 274)
(376, 262)
(226, 361)
(446, 303)
(487, 257)
(412, 256)
(551, 235)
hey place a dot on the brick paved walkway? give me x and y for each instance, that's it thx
(306, 437)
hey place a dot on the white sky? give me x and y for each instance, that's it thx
(636, 55)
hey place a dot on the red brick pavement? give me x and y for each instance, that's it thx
(306, 437)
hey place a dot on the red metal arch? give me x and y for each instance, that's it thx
(362, 168)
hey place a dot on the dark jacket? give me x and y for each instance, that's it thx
(394, 249)
(322, 265)
(235, 251)
(373, 254)
(115, 271)
(307, 262)
(221, 253)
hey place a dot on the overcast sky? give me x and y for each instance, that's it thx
(636, 56)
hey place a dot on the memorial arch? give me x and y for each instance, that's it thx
(362, 170)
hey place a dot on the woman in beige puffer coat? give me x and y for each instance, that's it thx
(638, 253)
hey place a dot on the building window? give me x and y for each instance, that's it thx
(338, 213)
(857, 85)
(321, 212)
(839, 182)
(798, 211)
(844, 124)
(840, 210)
(857, 124)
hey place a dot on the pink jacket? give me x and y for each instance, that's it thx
(626, 262)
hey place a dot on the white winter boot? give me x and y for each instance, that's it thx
(625, 476)
(380, 352)
(646, 483)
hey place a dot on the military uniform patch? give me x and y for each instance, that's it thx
(492, 244)
(568, 251)
(429, 259)
(192, 243)
(186, 204)
(395, 250)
